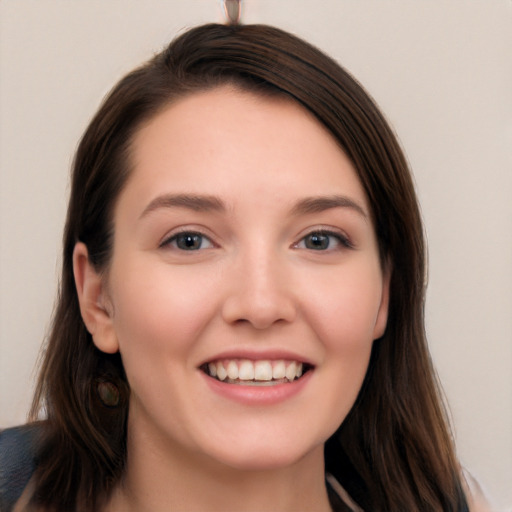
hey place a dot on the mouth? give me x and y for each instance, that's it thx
(246, 372)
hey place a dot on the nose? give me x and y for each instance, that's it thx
(261, 292)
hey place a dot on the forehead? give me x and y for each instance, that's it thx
(224, 140)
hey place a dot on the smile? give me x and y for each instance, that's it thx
(246, 372)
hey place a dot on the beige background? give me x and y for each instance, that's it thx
(441, 70)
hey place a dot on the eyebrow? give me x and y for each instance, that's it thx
(206, 203)
(323, 203)
(197, 203)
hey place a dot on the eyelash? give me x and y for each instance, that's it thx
(173, 240)
(341, 240)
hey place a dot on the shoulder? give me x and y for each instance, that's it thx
(18, 448)
(477, 499)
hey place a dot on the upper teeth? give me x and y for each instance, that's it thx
(247, 370)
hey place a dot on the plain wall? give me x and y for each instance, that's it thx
(440, 70)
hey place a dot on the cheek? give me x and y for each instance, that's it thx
(157, 311)
(158, 320)
(343, 308)
(342, 311)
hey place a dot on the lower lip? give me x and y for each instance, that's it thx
(258, 395)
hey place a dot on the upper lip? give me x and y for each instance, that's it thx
(259, 355)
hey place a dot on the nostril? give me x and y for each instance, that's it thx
(259, 313)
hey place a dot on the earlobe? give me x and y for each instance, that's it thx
(382, 315)
(94, 305)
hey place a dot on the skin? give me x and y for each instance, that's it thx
(256, 286)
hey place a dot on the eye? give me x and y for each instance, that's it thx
(323, 241)
(188, 241)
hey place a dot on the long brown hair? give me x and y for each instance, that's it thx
(394, 451)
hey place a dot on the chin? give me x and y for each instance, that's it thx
(266, 458)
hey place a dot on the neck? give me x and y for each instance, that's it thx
(162, 477)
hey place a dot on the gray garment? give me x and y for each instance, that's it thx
(17, 462)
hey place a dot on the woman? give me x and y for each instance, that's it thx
(240, 322)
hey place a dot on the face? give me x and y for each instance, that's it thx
(245, 288)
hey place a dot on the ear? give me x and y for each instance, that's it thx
(97, 312)
(382, 315)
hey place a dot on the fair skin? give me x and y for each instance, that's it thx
(243, 243)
